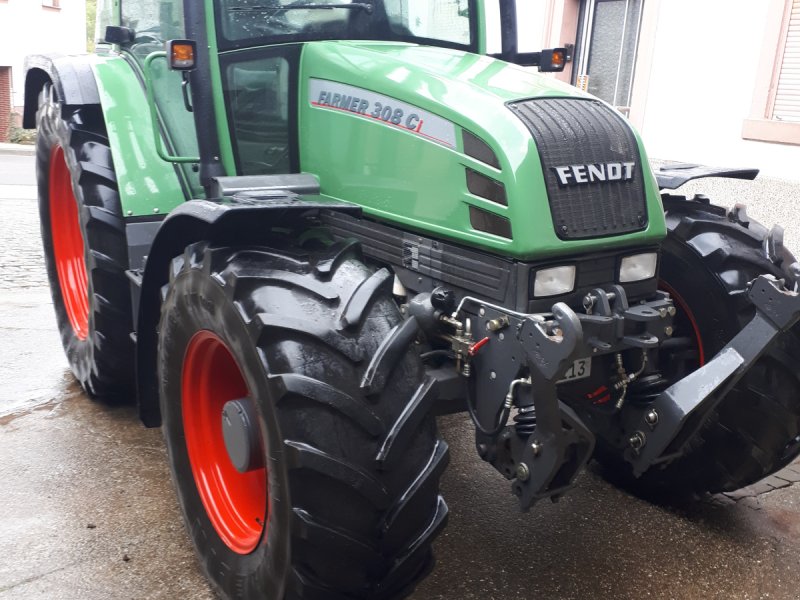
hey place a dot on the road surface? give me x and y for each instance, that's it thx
(88, 510)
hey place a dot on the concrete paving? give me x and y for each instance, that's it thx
(17, 149)
(87, 510)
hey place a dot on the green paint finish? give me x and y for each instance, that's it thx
(480, 18)
(147, 184)
(420, 184)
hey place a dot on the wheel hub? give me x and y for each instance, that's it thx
(242, 438)
(214, 393)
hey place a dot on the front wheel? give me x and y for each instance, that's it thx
(296, 416)
(708, 260)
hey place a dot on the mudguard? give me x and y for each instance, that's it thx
(245, 218)
(673, 175)
(72, 78)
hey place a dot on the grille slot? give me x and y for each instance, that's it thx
(574, 131)
(483, 220)
(479, 150)
(486, 187)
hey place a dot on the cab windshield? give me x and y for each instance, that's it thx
(243, 23)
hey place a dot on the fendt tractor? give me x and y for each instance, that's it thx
(298, 231)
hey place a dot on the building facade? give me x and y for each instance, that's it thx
(715, 82)
(34, 27)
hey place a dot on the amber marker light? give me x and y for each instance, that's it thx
(181, 54)
(559, 59)
(552, 60)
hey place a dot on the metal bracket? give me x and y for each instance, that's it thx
(551, 352)
(658, 432)
(547, 445)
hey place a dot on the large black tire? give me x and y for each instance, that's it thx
(85, 248)
(708, 259)
(353, 457)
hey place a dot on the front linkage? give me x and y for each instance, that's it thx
(514, 361)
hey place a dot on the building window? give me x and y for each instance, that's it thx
(51, 3)
(775, 116)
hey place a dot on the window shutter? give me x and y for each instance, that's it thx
(787, 96)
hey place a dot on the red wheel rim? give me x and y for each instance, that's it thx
(689, 315)
(236, 503)
(68, 246)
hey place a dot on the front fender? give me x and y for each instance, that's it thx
(244, 221)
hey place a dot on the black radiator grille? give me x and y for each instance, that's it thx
(572, 132)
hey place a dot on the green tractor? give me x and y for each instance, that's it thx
(298, 231)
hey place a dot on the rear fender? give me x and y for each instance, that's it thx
(147, 184)
(71, 77)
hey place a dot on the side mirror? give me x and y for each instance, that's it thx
(118, 35)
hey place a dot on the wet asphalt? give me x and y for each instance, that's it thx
(87, 510)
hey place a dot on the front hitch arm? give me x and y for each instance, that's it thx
(523, 360)
(658, 433)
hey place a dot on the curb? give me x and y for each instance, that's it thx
(17, 149)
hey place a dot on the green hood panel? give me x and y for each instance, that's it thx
(420, 183)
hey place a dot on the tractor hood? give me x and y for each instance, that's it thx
(474, 149)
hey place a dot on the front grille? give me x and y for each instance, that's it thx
(573, 132)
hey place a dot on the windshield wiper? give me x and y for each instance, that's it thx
(365, 6)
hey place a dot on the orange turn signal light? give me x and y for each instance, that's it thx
(181, 54)
(553, 60)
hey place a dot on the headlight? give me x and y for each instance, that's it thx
(638, 267)
(555, 281)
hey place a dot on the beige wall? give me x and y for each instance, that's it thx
(705, 61)
(26, 27)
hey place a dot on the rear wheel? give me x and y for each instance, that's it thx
(296, 416)
(708, 259)
(85, 248)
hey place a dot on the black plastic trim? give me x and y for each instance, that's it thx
(673, 175)
(573, 132)
(72, 78)
(423, 263)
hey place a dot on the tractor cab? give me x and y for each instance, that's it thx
(254, 48)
